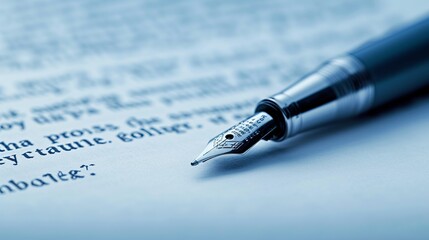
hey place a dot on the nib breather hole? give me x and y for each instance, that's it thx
(229, 136)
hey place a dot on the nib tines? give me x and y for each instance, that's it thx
(239, 138)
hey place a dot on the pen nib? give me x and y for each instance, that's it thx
(239, 138)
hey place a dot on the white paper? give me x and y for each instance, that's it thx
(97, 72)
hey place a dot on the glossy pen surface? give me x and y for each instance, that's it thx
(375, 73)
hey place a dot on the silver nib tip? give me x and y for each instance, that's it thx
(239, 138)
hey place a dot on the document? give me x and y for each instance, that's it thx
(104, 104)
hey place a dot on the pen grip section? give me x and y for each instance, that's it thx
(338, 89)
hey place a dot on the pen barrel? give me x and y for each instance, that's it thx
(397, 62)
(372, 74)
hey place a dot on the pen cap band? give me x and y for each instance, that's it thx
(338, 89)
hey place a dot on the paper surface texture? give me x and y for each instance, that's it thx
(104, 104)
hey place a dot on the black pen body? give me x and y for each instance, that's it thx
(397, 63)
(375, 73)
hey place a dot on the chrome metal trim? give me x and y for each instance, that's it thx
(338, 89)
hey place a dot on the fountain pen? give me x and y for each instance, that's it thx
(369, 76)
